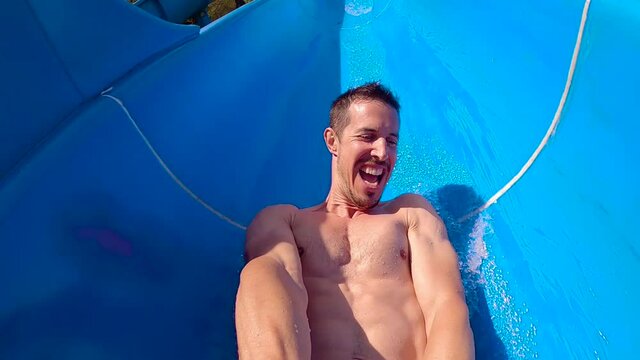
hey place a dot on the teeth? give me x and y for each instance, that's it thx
(372, 171)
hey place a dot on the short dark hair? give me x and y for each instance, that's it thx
(339, 114)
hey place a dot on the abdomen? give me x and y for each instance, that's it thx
(379, 320)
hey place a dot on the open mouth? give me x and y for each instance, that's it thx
(372, 175)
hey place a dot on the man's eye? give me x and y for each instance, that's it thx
(366, 137)
(392, 142)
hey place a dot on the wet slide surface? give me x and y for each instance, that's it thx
(106, 257)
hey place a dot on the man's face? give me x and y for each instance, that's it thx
(367, 152)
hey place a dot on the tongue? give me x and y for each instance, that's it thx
(368, 177)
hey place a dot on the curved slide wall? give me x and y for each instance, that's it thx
(105, 256)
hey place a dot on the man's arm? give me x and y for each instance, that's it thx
(437, 283)
(271, 305)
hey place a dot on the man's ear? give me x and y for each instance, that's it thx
(331, 140)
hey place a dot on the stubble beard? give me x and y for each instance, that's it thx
(360, 202)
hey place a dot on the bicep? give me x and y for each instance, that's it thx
(434, 263)
(270, 235)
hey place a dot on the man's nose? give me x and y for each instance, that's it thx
(379, 150)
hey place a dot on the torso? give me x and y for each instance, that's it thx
(362, 303)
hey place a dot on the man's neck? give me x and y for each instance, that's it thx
(338, 204)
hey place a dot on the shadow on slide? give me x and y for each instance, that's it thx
(452, 202)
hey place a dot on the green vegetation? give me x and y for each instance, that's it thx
(219, 8)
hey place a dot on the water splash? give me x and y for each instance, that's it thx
(503, 328)
(358, 7)
(472, 257)
(510, 317)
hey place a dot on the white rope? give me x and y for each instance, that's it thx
(554, 124)
(166, 168)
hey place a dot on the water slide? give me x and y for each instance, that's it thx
(133, 151)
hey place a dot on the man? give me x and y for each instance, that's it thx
(353, 278)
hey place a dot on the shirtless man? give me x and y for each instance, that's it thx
(353, 278)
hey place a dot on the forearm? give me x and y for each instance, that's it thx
(271, 319)
(449, 335)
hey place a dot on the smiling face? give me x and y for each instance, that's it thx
(365, 152)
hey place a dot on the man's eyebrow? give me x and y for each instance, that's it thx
(371, 130)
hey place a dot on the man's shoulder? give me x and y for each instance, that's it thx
(273, 214)
(271, 226)
(415, 207)
(278, 209)
(411, 201)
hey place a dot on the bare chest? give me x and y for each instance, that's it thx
(371, 246)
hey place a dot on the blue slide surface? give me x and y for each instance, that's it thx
(105, 256)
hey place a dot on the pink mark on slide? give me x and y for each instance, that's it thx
(108, 239)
